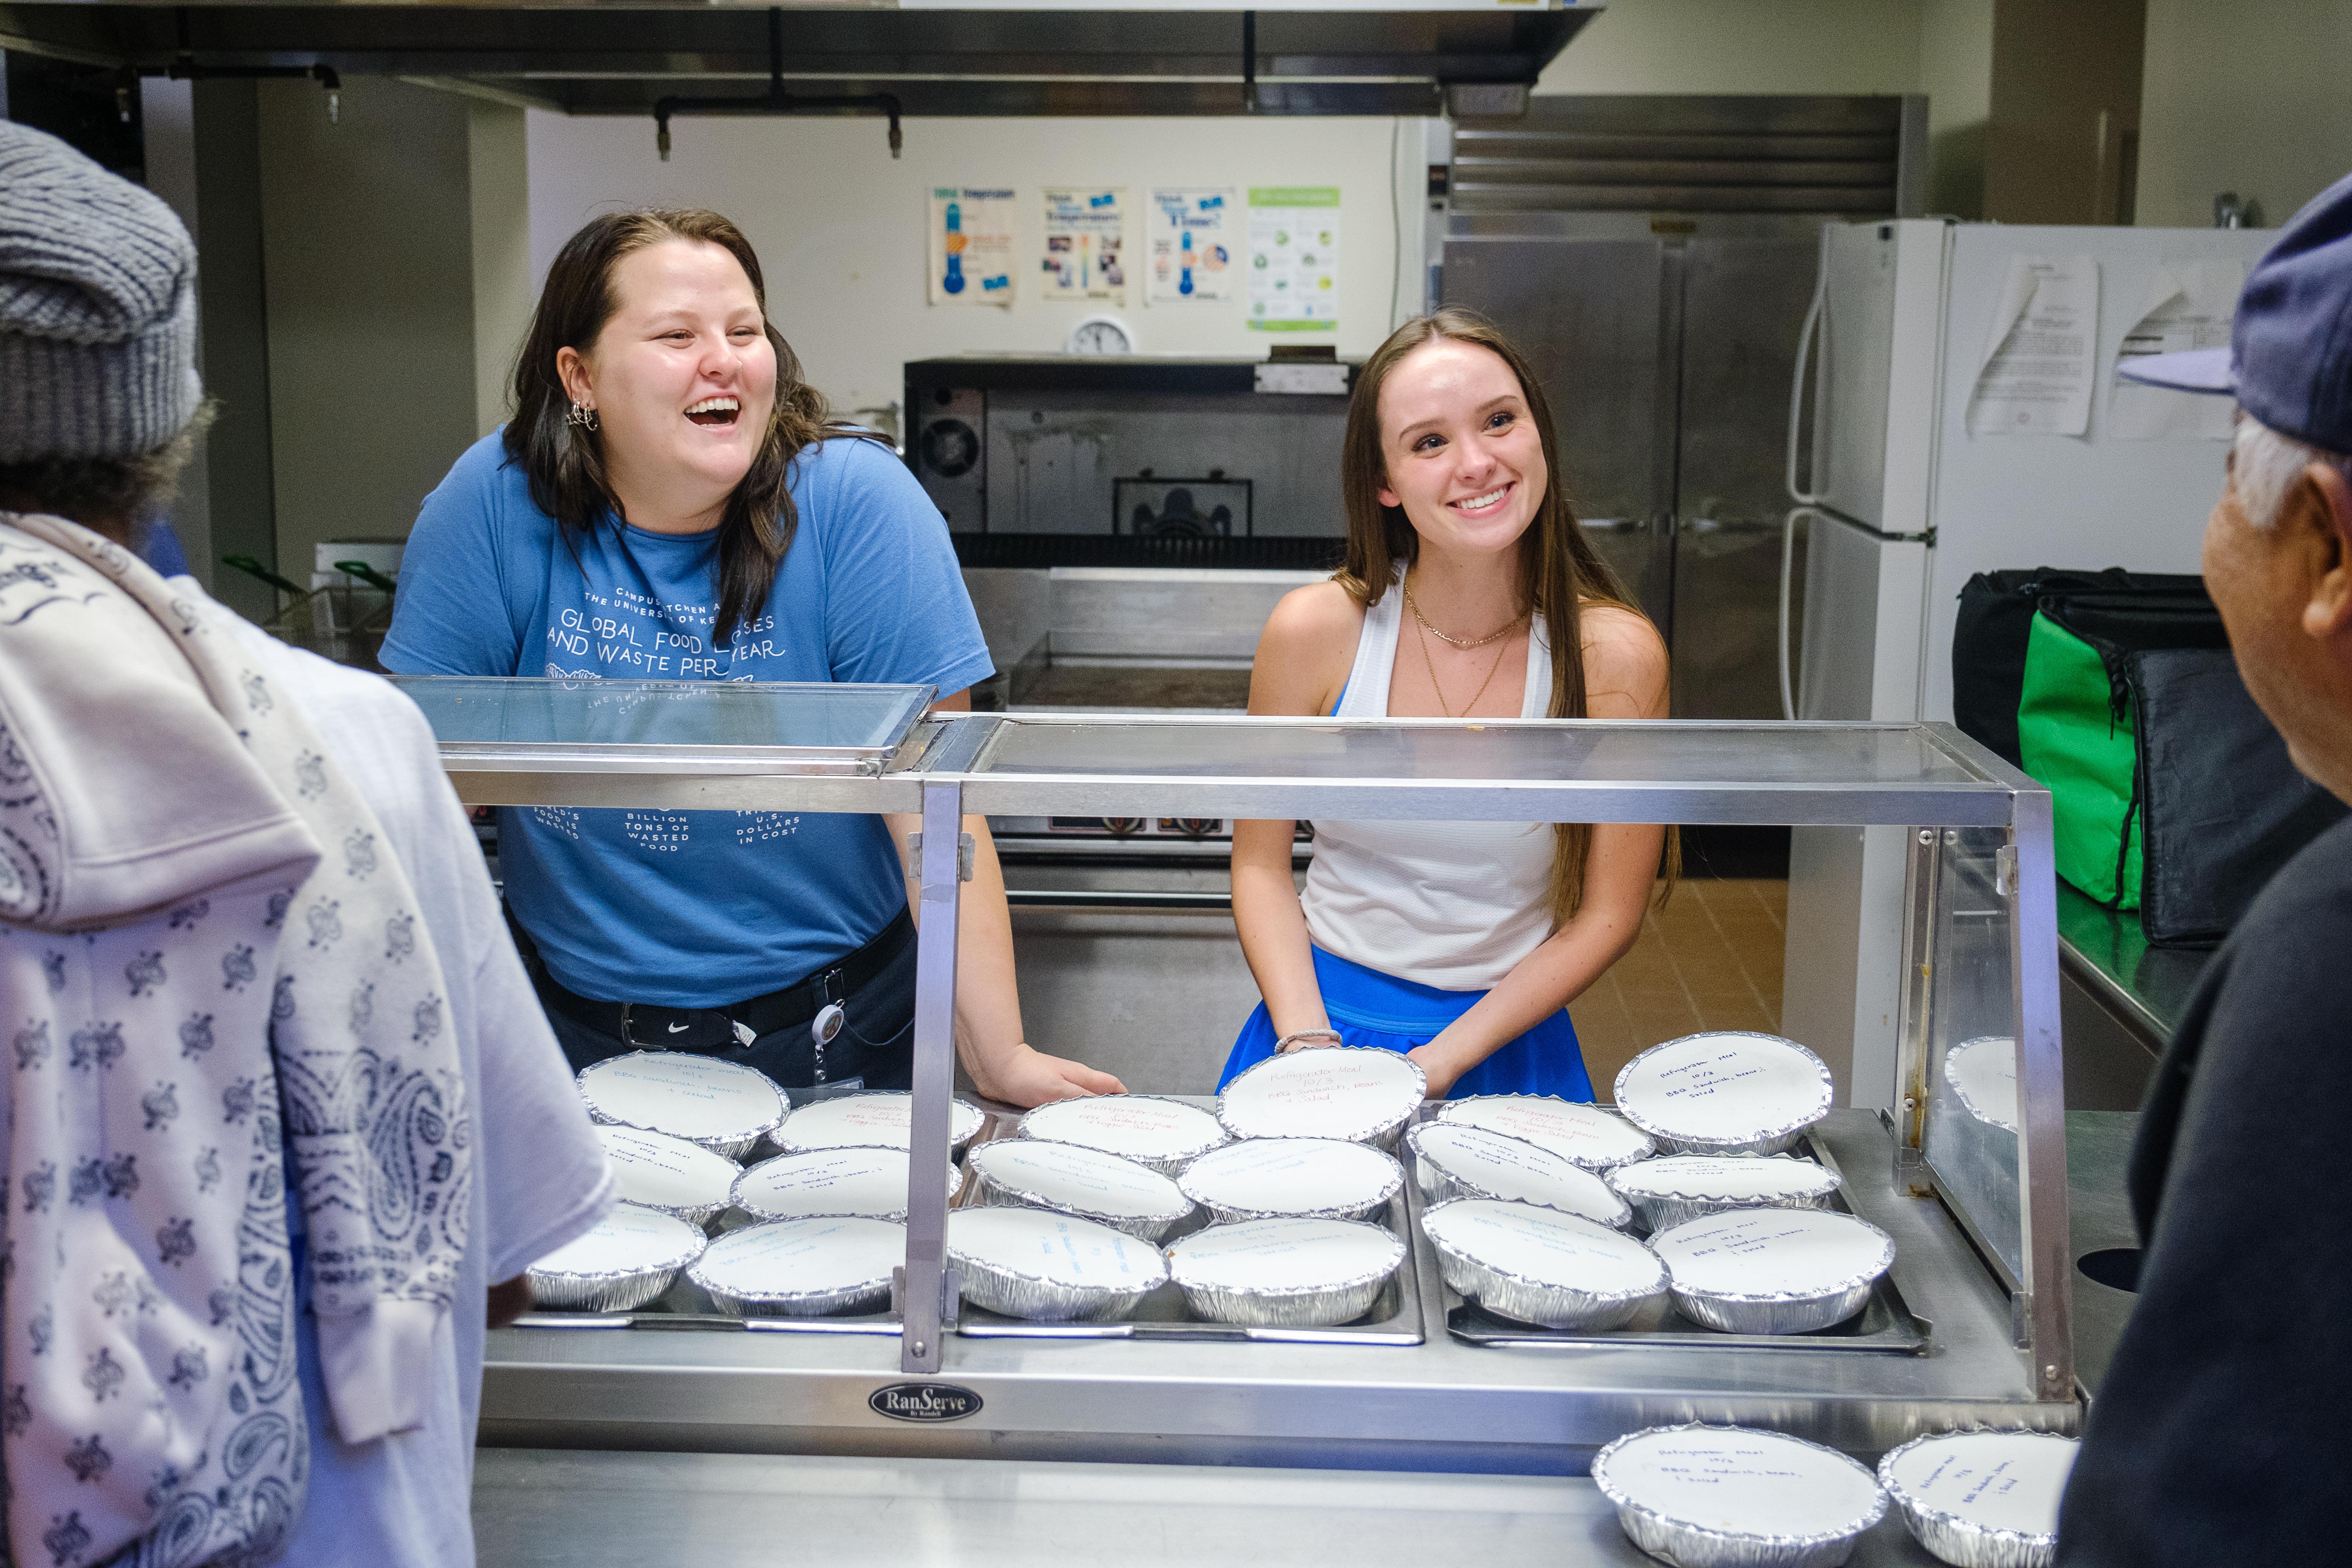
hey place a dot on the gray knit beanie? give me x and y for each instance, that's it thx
(98, 308)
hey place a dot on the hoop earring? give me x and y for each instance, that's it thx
(582, 416)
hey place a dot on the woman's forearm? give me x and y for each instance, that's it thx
(1605, 928)
(987, 998)
(1272, 926)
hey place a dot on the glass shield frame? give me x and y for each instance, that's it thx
(1980, 937)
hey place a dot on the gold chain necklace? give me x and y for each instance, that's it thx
(1458, 642)
(1466, 706)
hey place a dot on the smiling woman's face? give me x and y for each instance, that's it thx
(683, 381)
(1464, 457)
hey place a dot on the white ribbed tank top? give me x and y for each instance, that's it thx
(1450, 904)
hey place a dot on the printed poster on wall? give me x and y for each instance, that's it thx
(1294, 271)
(970, 244)
(1086, 243)
(1191, 244)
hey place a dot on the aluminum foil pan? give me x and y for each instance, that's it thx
(724, 1107)
(1983, 1076)
(1032, 1173)
(1293, 1178)
(802, 1267)
(1053, 1267)
(1155, 1132)
(1360, 1094)
(866, 1181)
(1457, 1162)
(1773, 1272)
(877, 1118)
(629, 1257)
(1285, 1273)
(1540, 1266)
(1731, 1497)
(1664, 1192)
(669, 1175)
(1725, 1093)
(1598, 1140)
(1982, 1498)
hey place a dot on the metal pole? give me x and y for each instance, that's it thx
(2040, 1099)
(926, 1159)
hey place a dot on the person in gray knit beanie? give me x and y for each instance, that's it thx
(98, 317)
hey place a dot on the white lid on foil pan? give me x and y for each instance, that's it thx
(1303, 1178)
(1295, 1273)
(1774, 1270)
(1149, 1129)
(1540, 1266)
(1359, 1094)
(1455, 1161)
(866, 1181)
(802, 1267)
(877, 1116)
(1033, 1263)
(656, 1171)
(723, 1106)
(624, 1260)
(1720, 1495)
(1982, 1498)
(1725, 1093)
(1983, 1074)
(1091, 1183)
(1594, 1138)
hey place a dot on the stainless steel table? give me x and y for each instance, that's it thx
(535, 1508)
(1441, 1406)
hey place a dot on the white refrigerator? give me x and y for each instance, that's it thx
(1965, 418)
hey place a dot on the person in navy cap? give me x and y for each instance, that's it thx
(2219, 1434)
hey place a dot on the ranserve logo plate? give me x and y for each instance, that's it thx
(924, 1402)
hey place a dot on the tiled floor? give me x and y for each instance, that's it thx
(1710, 959)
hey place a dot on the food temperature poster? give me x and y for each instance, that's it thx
(971, 246)
(1294, 270)
(1086, 243)
(1190, 251)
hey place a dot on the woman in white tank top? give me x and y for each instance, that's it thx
(1460, 944)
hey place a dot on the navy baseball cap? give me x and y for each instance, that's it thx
(2289, 361)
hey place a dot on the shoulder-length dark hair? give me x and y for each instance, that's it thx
(1561, 574)
(565, 465)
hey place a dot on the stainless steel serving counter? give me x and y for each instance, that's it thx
(1440, 1405)
(533, 1509)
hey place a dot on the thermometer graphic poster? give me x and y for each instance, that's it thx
(970, 244)
(1190, 251)
(1294, 270)
(1086, 243)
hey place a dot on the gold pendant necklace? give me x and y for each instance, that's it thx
(1457, 642)
(1466, 706)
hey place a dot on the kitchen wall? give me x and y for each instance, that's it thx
(395, 269)
(839, 226)
(2245, 97)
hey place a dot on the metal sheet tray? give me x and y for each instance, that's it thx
(1886, 1325)
(1395, 1318)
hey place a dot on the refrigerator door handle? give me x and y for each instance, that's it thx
(1788, 565)
(1816, 319)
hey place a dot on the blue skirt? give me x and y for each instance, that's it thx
(1369, 1008)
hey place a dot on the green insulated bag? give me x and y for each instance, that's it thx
(2173, 795)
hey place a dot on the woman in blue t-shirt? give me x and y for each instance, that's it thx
(670, 502)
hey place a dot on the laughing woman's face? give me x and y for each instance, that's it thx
(682, 378)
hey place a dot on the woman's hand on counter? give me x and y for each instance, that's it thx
(1028, 1076)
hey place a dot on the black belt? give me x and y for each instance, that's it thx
(653, 1027)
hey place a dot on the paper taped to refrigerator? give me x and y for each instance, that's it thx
(2188, 305)
(2040, 349)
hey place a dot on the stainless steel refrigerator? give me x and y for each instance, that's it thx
(1654, 256)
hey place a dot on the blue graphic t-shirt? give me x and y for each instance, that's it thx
(702, 908)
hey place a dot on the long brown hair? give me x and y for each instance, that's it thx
(1560, 572)
(565, 464)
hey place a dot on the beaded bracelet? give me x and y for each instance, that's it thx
(1283, 1046)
